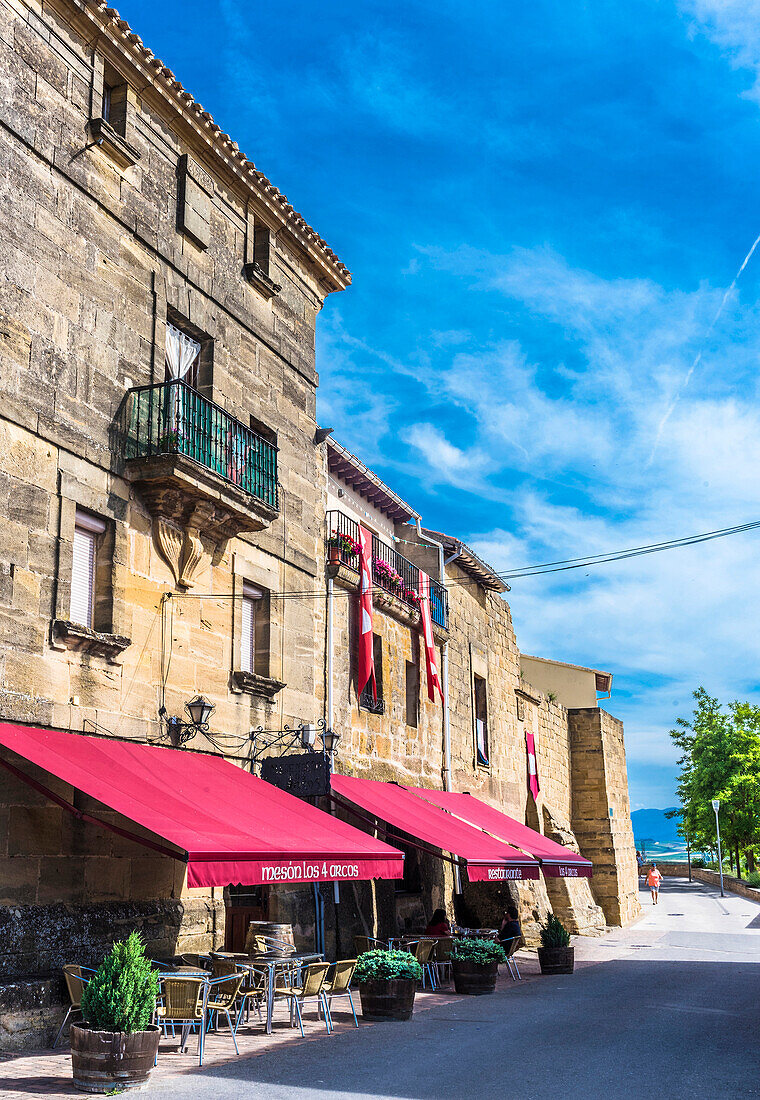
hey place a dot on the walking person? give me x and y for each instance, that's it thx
(654, 878)
(640, 862)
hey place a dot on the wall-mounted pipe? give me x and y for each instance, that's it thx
(444, 685)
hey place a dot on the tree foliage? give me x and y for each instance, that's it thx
(720, 759)
(122, 993)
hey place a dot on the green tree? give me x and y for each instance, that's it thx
(720, 759)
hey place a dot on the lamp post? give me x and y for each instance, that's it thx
(716, 807)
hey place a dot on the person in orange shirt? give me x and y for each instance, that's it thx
(654, 878)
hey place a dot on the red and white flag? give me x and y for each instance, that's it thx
(532, 768)
(366, 653)
(426, 624)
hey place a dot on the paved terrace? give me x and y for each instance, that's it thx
(667, 1006)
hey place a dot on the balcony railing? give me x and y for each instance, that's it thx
(390, 570)
(174, 419)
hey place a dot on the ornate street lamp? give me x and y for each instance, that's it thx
(330, 739)
(198, 710)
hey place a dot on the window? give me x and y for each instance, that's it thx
(181, 355)
(114, 100)
(366, 702)
(252, 598)
(412, 693)
(481, 720)
(86, 532)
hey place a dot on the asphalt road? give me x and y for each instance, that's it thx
(668, 1007)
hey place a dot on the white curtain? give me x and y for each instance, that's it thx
(181, 351)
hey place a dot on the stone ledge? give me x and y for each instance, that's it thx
(113, 144)
(253, 684)
(67, 635)
(178, 489)
(260, 281)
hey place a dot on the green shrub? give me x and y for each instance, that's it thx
(381, 965)
(554, 933)
(478, 951)
(753, 878)
(122, 993)
(698, 862)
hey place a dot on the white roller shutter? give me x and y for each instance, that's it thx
(83, 576)
(251, 596)
(86, 533)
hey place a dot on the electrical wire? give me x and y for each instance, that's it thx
(561, 565)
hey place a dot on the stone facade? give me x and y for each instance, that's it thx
(108, 237)
(117, 222)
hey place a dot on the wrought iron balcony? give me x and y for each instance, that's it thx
(390, 570)
(174, 419)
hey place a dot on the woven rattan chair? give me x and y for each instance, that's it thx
(201, 962)
(338, 985)
(442, 958)
(363, 944)
(422, 950)
(253, 990)
(76, 979)
(511, 946)
(184, 1004)
(311, 989)
(222, 997)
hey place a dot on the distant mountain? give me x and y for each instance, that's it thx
(652, 825)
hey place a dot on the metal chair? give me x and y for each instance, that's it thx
(422, 950)
(511, 946)
(75, 983)
(184, 1004)
(362, 944)
(222, 997)
(338, 986)
(311, 989)
(442, 958)
(254, 989)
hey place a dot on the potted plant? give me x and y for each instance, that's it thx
(555, 954)
(475, 964)
(341, 546)
(387, 982)
(116, 1045)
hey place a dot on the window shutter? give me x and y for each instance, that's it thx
(247, 644)
(83, 576)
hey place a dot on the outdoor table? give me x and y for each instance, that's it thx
(268, 965)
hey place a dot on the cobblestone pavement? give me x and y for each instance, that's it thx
(668, 1005)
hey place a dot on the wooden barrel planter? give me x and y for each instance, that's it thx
(283, 933)
(474, 978)
(556, 960)
(104, 1061)
(388, 999)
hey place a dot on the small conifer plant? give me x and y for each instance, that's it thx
(122, 993)
(554, 933)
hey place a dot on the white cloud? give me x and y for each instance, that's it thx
(734, 26)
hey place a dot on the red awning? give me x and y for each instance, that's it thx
(230, 826)
(556, 861)
(488, 860)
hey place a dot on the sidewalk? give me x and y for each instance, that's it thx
(48, 1072)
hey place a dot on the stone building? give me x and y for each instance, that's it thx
(165, 509)
(159, 480)
(493, 700)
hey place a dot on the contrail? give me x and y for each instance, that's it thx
(698, 358)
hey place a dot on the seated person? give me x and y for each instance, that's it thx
(510, 925)
(438, 926)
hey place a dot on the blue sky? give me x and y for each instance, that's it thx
(543, 206)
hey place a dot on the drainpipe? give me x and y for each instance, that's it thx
(442, 562)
